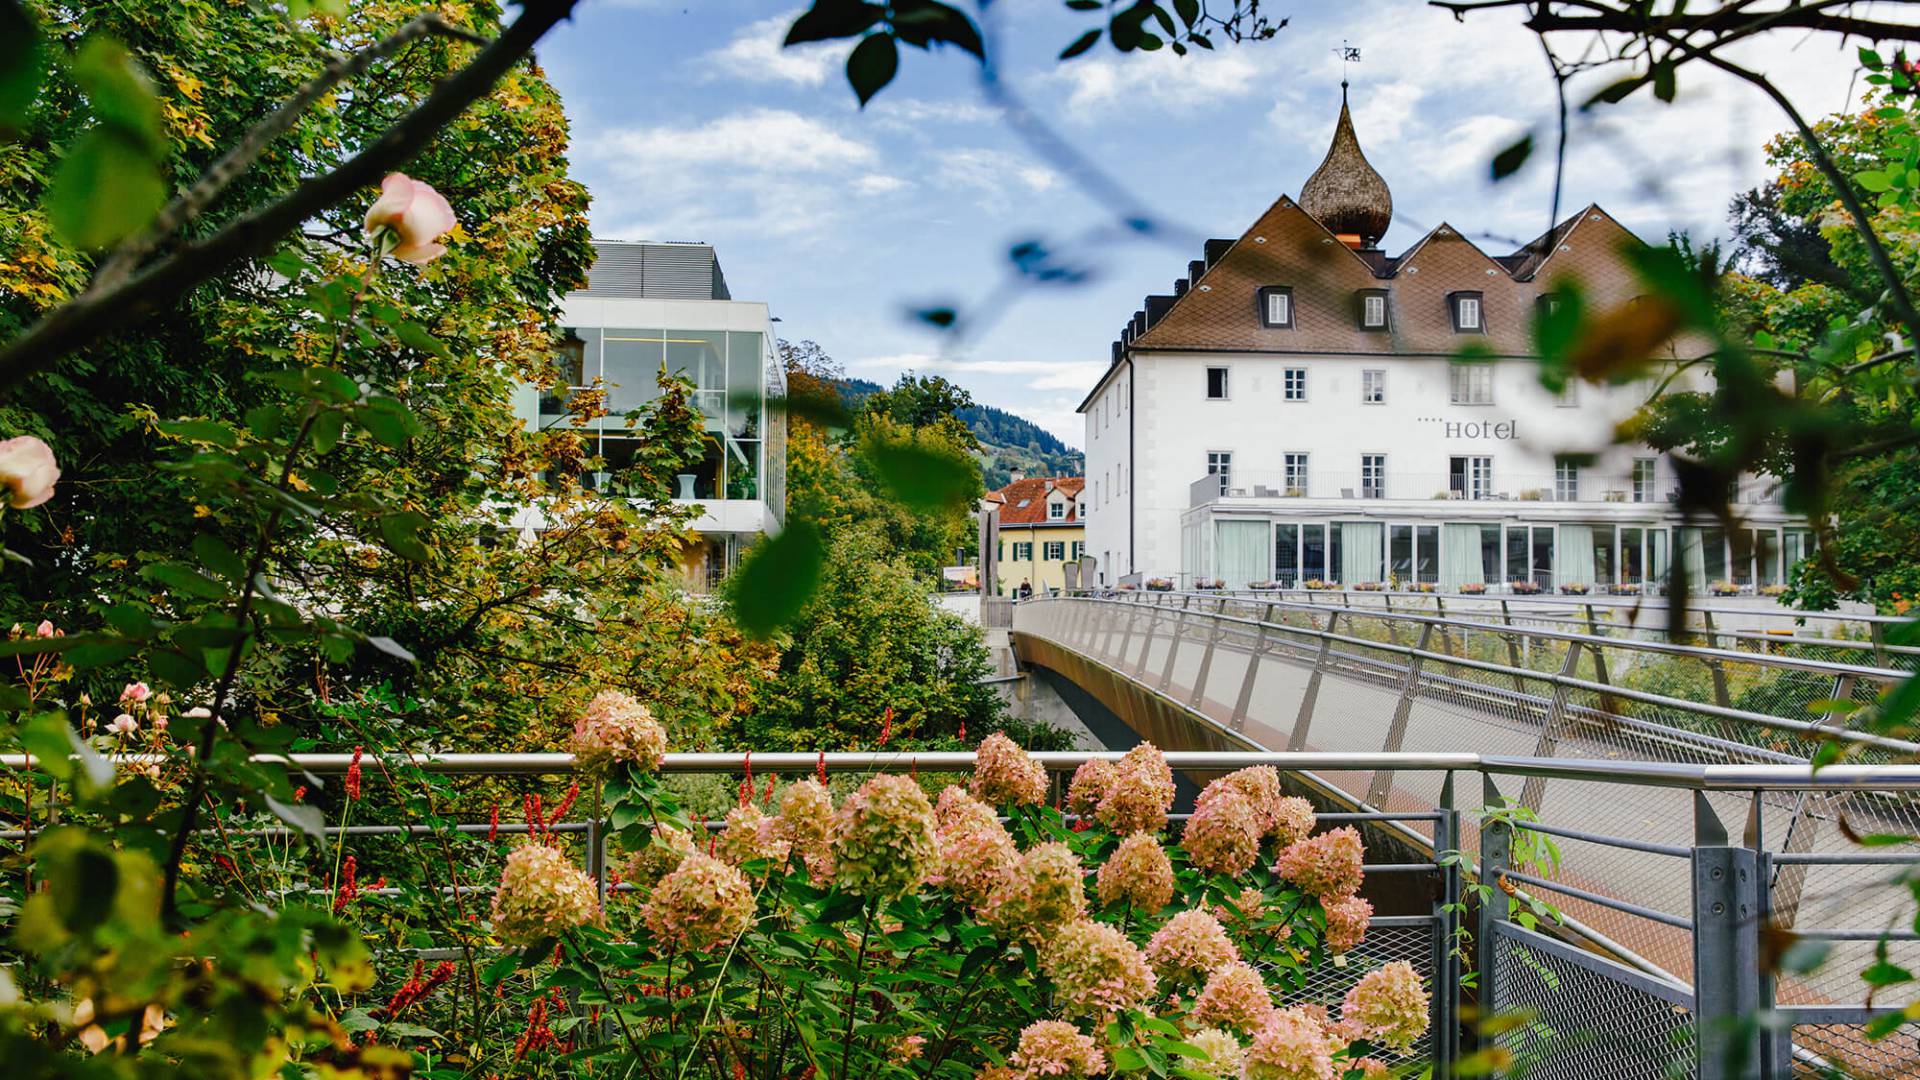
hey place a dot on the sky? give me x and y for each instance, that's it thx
(690, 122)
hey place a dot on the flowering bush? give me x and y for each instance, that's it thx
(542, 894)
(615, 730)
(1004, 774)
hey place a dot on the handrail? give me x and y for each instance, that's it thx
(1543, 598)
(1748, 778)
(1812, 728)
(1818, 667)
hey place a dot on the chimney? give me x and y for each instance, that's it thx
(1017, 476)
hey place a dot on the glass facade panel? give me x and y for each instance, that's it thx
(1313, 551)
(632, 369)
(1767, 554)
(577, 357)
(1603, 555)
(1543, 556)
(1286, 555)
(1741, 566)
(1518, 568)
(1400, 553)
(745, 399)
(1427, 551)
(1633, 557)
(1489, 554)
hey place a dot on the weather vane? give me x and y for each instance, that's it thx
(1349, 54)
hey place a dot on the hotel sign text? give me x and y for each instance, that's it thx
(1503, 430)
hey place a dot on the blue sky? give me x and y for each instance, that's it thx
(690, 123)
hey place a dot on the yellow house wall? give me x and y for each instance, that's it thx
(1041, 572)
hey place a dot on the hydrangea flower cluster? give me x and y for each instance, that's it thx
(615, 729)
(1056, 1049)
(1190, 947)
(1043, 892)
(1388, 1005)
(1223, 836)
(1291, 1045)
(751, 834)
(1138, 873)
(1346, 923)
(702, 903)
(1235, 997)
(883, 838)
(663, 853)
(1090, 784)
(1003, 773)
(806, 822)
(1140, 794)
(1095, 969)
(541, 893)
(976, 852)
(1224, 1055)
(1328, 865)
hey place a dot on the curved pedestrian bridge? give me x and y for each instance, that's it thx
(1597, 703)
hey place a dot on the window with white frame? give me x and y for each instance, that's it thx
(1220, 464)
(1470, 383)
(1643, 478)
(1080, 509)
(1054, 551)
(1276, 307)
(1373, 476)
(1022, 550)
(1296, 472)
(1373, 310)
(1566, 480)
(1056, 511)
(1373, 386)
(1216, 384)
(1470, 477)
(1293, 382)
(1465, 310)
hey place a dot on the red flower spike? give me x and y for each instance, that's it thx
(493, 822)
(963, 731)
(886, 726)
(820, 768)
(566, 804)
(346, 889)
(300, 793)
(767, 799)
(353, 774)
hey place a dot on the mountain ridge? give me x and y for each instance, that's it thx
(1009, 442)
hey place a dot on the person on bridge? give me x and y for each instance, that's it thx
(1025, 590)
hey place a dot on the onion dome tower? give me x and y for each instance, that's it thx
(1344, 193)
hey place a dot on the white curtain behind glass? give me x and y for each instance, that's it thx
(1573, 554)
(1459, 555)
(1361, 548)
(1240, 552)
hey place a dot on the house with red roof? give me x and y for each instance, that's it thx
(1041, 527)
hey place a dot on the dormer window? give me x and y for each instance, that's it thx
(1276, 307)
(1465, 308)
(1373, 309)
(1548, 304)
(1056, 511)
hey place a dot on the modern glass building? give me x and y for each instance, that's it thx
(650, 307)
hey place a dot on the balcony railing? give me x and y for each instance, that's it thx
(1588, 487)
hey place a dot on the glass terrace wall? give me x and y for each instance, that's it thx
(732, 372)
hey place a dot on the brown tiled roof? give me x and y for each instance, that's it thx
(1286, 246)
(1024, 502)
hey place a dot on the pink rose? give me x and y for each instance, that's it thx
(27, 470)
(135, 693)
(418, 215)
(45, 629)
(124, 725)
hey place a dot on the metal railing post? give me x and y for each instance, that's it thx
(1173, 647)
(1726, 950)
(1599, 658)
(1720, 695)
(1382, 783)
(1304, 718)
(1513, 647)
(1777, 1041)
(1446, 908)
(1241, 704)
(1126, 636)
(1214, 633)
(1496, 854)
(1536, 786)
(1146, 640)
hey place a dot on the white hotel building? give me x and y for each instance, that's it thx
(1293, 412)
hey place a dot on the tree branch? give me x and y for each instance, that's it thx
(98, 311)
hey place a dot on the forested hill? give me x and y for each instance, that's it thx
(1012, 443)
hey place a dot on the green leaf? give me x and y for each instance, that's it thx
(215, 555)
(777, 578)
(1127, 1059)
(176, 667)
(416, 336)
(105, 188)
(1081, 44)
(23, 65)
(392, 648)
(1508, 161)
(1616, 92)
(1871, 59)
(1664, 84)
(120, 92)
(402, 532)
(830, 19)
(204, 431)
(389, 421)
(925, 477)
(47, 738)
(872, 64)
(1873, 180)
(181, 578)
(307, 819)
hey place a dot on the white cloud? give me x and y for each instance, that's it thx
(756, 54)
(903, 113)
(992, 173)
(878, 184)
(1157, 78)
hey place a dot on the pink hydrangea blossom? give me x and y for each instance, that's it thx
(1043, 892)
(1235, 997)
(1223, 1050)
(806, 822)
(666, 847)
(1141, 792)
(751, 834)
(1137, 873)
(1190, 947)
(1223, 835)
(615, 729)
(1346, 923)
(1056, 1049)
(1090, 784)
(883, 838)
(1003, 773)
(976, 852)
(1095, 969)
(1389, 1005)
(541, 894)
(1328, 865)
(1291, 1045)
(701, 904)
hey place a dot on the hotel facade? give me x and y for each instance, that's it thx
(1296, 413)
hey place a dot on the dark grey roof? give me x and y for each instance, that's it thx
(655, 270)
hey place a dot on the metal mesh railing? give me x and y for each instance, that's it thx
(1388, 939)
(1578, 1017)
(1846, 1052)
